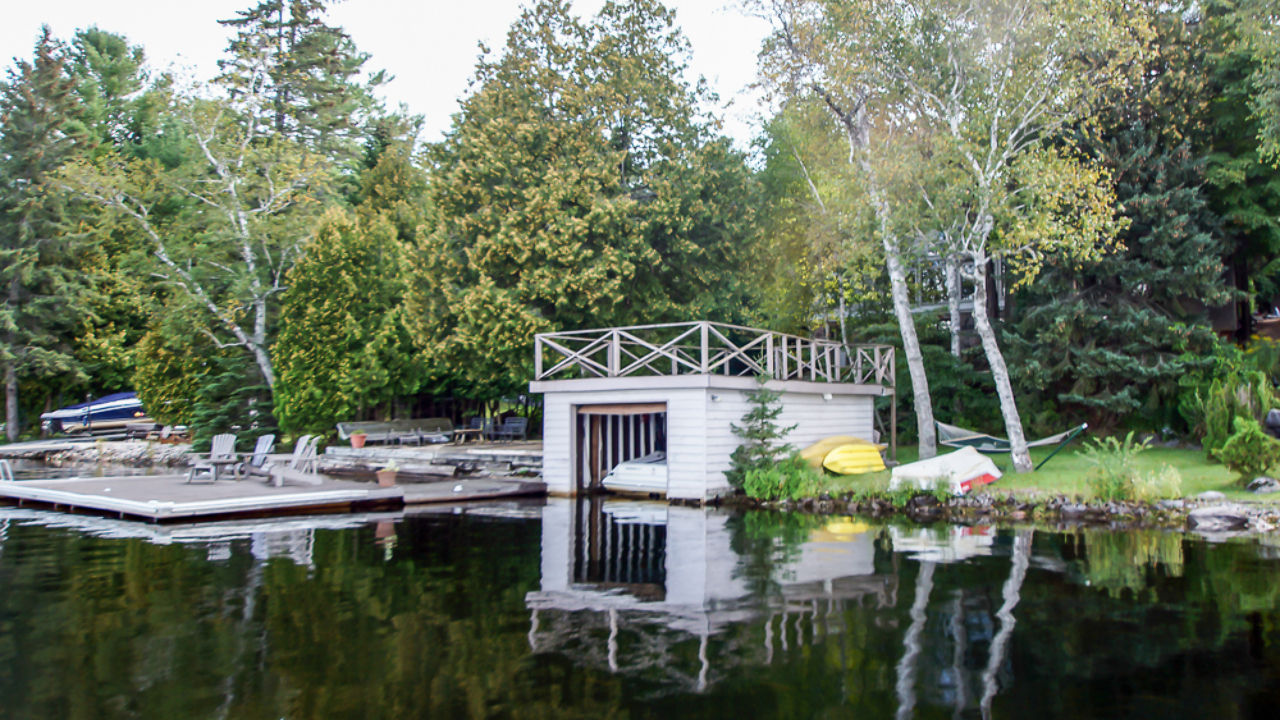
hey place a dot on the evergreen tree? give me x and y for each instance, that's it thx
(1105, 338)
(579, 187)
(343, 348)
(41, 121)
(761, 437)
(308, 72)
(1243, 186)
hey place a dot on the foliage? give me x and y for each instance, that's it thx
(305, 71)
(231, 398)
(1110, 336)
(579, 187)
(1250, 451)
(762, 438)
(1114, 474)
(343, 346)
(226, 257)
(1211, 411)
(1243, 186)
(41, 128)
(791, 478)
(167, 376)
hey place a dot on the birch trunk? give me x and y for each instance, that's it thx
(999, 371)
(954, 288)
(911, 348)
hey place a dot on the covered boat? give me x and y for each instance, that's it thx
(958, 473)
(110, 412)
(647, 474)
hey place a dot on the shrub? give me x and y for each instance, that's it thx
(1212, 410)
(789, 479)
(762, 438)
(1115, 475)
(1250, 451)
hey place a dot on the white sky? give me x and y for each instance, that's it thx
(429, 45)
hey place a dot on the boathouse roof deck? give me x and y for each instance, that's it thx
(707, 348)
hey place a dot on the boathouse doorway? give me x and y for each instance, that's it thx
(608, 435)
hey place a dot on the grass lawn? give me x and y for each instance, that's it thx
(1066, 474)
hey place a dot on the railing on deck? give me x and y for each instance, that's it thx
(706, 348)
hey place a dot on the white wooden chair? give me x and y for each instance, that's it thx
(259, 459)
(301, 468)
(221, 453)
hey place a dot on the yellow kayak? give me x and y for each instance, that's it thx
(817, 452)
(854, 459)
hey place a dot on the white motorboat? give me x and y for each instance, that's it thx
(647, 474)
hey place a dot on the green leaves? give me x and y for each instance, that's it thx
(580, 187)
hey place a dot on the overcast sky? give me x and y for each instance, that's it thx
(430, 46)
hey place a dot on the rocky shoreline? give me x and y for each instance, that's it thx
(1209, 513)
(132, 453)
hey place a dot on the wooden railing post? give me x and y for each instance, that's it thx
(537, 357)
(615, 353)
(768, 351)
(706, 348)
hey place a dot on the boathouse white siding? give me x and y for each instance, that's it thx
(701, 410)
(702, 373)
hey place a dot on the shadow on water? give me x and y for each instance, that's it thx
(627, 609)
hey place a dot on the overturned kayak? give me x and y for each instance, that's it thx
(854, 459)
(958, 472)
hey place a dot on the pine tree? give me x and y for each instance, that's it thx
(308, 71)
(41, 121)
(1102, 339)
(1097, 340)
(761, 437)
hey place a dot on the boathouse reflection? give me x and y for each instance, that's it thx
(626, 585)
(632, 580)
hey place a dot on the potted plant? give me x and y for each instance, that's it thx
(387, 475)
(357, 439)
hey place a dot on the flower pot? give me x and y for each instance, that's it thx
(357, 440)
(386, 478)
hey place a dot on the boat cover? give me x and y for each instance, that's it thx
(646, 474)
(957, 472)
(120, 406)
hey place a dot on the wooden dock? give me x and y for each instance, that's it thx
(169, 498)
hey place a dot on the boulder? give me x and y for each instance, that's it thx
(1211, 495)
(1264, 485)
(1218, 518)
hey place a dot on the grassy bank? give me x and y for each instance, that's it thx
(1067, 474)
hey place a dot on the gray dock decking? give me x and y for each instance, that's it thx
(161, 498)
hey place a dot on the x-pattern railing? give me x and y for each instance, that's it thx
(707, 348)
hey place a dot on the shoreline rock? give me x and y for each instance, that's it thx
(1214, 519)
(133, 453)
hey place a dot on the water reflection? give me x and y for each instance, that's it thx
(612, 609)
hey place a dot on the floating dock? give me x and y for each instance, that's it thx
(170, 498)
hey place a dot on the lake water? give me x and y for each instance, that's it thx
(628, 610)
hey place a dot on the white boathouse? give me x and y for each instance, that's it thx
(617, 394)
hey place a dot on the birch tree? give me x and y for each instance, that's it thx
(993, 79)
(809, 55)
(226, 224)
(984, 83)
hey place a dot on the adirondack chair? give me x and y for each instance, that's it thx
(257, 461)
(301, 468)
(221, 454)
(513, 427)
